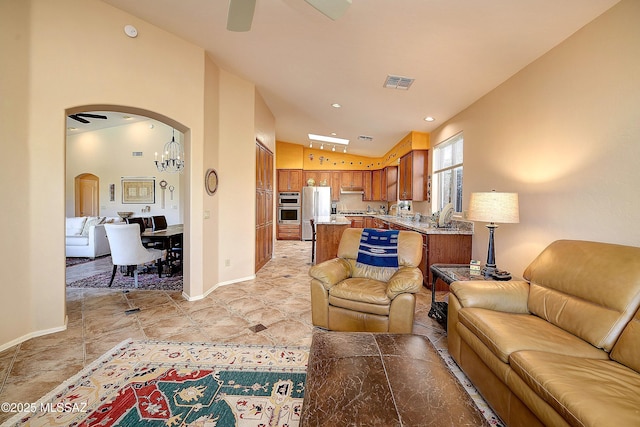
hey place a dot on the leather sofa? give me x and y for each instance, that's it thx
(352, 297)
(86, 237)
(562, 347)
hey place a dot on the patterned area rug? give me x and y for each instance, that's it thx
(145, 281)
(155, 383)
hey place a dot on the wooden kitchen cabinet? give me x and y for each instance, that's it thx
(289, 232)
(328, 240)
(264, 206)
(412, 176)
(356, 221)
(381, 184)
(317, 176)
(351, 179)
(367, 183)
(389, 184)
(441, 249)
(335, 185)
(289, 180)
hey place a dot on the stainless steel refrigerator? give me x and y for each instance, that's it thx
(316, 202)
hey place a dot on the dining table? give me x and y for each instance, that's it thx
(170, 239)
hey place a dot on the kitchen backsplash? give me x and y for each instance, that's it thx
(354, 202)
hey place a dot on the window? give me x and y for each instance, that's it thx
(447, 174)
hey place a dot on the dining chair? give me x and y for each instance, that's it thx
(139, 221)
(158, 222)
(127, 250)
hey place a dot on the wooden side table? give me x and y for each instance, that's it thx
(448, 273)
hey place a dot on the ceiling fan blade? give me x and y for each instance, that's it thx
(93, 116)
(333, 9)
(240, 15)
(79, 119)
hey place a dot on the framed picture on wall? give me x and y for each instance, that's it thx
(138, 190)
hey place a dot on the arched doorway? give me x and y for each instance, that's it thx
(87, 195)
(129, 156)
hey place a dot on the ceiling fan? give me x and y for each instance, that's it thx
(81, 117)
(240, 15)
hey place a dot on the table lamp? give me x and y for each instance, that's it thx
(494, 207)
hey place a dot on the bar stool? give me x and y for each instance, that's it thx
(313, 240)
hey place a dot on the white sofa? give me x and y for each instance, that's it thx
(86, 237)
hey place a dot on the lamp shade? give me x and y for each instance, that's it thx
(494, 207)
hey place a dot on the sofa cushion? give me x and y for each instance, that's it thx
(76, 240)
(74, 225)
(586, 392)
(505, 333)
(627, 348)
(91, 221)
(590, 289)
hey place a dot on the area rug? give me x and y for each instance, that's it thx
(145, 281)
(157, 383)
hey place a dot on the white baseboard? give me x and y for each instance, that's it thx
(34, 335)
(229, 282)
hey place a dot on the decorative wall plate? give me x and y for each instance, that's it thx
(211, 181)
(445, 216)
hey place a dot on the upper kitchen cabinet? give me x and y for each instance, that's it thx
(352, 179)
(335, 186)
(321, 178)
(381, 184)
(412, 176)
(289, 180)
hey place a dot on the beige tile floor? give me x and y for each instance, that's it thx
(277, 298)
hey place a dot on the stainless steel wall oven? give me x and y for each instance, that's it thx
(289, 208)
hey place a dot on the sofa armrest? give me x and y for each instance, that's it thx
(98, 242)
(510, 297)
(406, 279)
(331, 272)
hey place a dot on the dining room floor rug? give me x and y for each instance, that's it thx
(120, 281)
(159, 383)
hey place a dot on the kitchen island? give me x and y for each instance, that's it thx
(450, 245)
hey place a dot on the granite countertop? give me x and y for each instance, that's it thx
(458, 227)
(332, 219)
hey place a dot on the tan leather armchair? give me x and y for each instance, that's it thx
(349, 296)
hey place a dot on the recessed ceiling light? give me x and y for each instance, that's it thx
(336, 105)
(72, 128)
(429, 119)
(329, 139)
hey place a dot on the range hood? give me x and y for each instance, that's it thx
(351, 190)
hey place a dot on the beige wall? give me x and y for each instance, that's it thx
(74, 53)
(237, 191)
(565, 134)
(16, 289)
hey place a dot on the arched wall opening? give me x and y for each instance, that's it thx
(137, 142)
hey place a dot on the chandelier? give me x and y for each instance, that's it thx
(172, 159)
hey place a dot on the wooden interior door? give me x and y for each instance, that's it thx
(87, 197)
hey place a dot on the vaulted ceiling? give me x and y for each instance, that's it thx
(303, 62)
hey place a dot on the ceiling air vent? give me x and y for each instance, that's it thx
(398, 82)
(365, 138)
